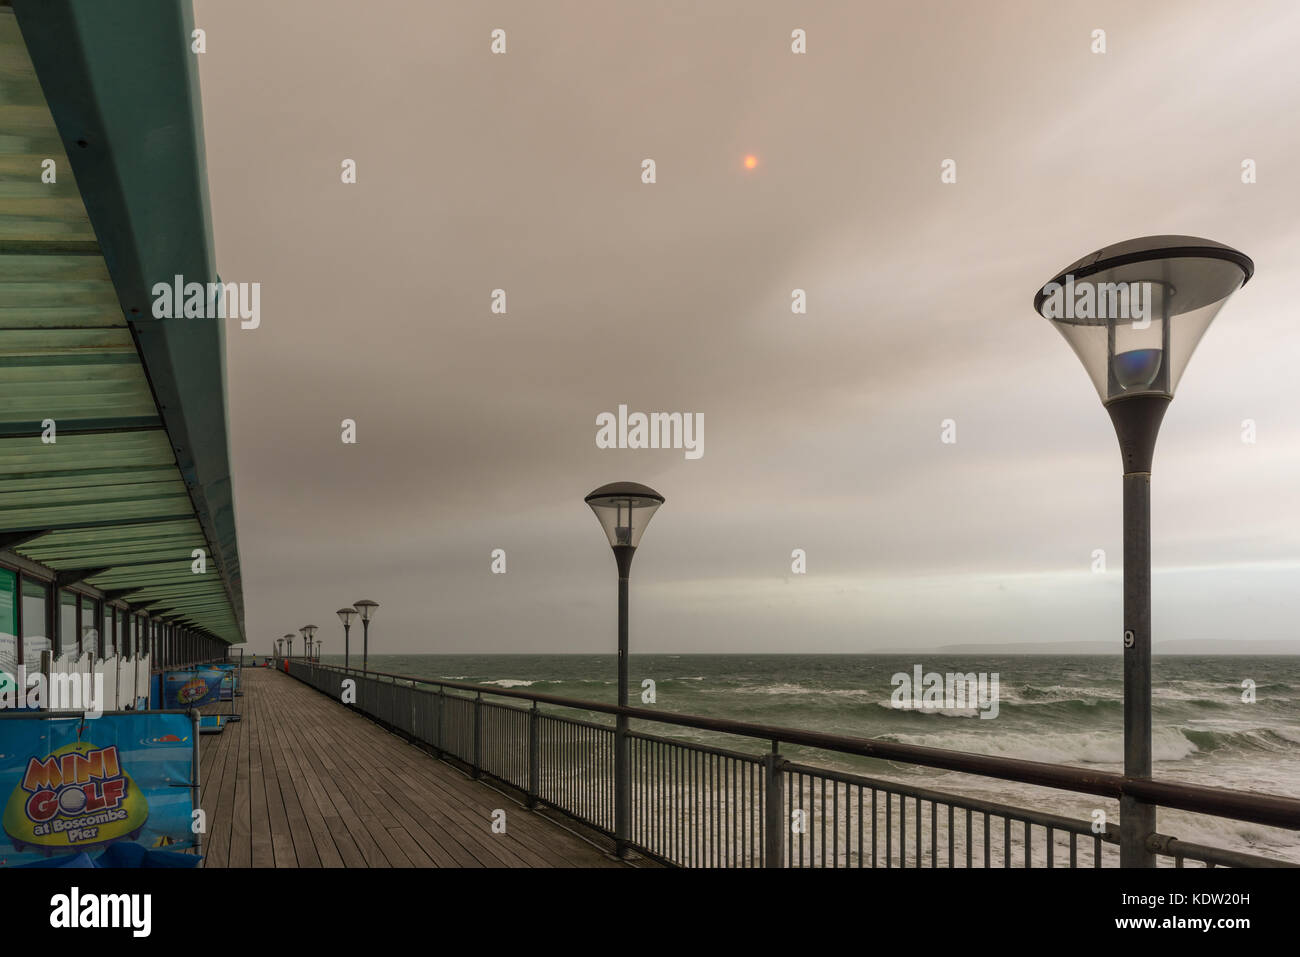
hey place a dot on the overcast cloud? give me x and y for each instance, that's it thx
(522, 172)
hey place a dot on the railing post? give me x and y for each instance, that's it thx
(478, 724)
(413, 735)
(774, 823)
(534, 753)
(437, 724)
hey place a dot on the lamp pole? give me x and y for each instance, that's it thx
(623, 509)
(1133, 313)
(366, 609)
(346, 615)
(1137, 423)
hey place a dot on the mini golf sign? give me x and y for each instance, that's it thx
(72, 785)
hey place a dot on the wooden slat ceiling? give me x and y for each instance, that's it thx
(108, 493)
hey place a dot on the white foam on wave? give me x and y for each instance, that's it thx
(1087, 747)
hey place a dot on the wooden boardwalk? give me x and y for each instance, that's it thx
(301, 781)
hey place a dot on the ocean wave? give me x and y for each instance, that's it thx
(1251, 739)
(510, 683)
(1087, 747)
(1174, 743)
(823, 698)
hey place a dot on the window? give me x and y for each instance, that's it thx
(89, 633)
(68, 622)
(35, 640)
(8, 628)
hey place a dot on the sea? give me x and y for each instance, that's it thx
(1222, 721)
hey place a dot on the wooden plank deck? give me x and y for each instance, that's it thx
(301, 781)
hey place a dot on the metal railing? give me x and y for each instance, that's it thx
(698, 805)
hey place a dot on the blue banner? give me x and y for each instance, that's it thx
(231, 685)
(193, 688)
(78, 785)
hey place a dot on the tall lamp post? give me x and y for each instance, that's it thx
(346, 615)
(1133, 313)
(308, 639)
(289, 643)
(624, 509)
(366, 609)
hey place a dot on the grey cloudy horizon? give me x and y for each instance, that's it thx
(522, 171)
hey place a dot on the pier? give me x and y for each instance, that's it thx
(302, 781)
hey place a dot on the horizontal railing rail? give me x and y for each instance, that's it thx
(701, 805)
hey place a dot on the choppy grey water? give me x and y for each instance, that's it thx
(1060, 709)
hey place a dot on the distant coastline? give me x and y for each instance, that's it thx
(1203, 646)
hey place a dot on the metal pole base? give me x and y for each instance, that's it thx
(1137, 822)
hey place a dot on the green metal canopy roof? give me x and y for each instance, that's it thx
(138, 476)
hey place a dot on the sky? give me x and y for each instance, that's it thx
(523, 170)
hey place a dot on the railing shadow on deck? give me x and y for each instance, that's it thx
(697, 805)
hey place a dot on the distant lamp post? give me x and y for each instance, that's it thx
(1133, 313)
(289, 639)
(624, 509)
(346, 615)
(309, 638)
(366, 609)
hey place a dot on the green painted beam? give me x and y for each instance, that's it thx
(123, 88)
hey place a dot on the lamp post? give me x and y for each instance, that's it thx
(289, 640)
(623, 510)
(346, 615)
(1133, 313)
(308, 639)
(366, 609)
